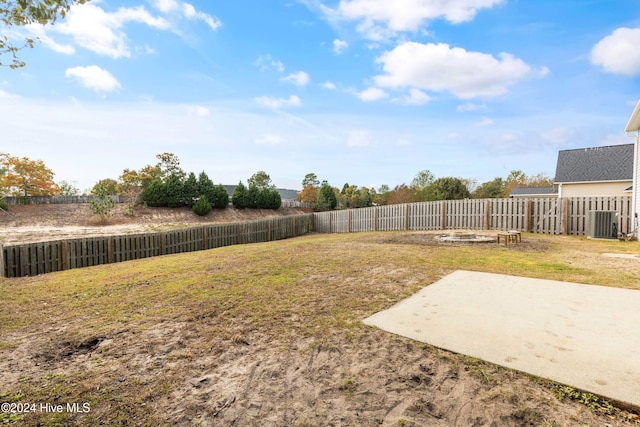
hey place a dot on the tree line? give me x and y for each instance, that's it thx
(166, 184)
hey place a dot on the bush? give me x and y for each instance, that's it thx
(190, 190)
(220, 197)
(202, 207)
(102, 204)
(239, 198)
(3, 204)
(154, 193)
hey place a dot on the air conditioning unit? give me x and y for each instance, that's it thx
(603, 224)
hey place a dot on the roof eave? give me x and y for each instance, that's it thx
(634, 121)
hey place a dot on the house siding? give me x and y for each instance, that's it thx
(613, 189)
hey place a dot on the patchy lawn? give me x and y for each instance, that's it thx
(271, 334)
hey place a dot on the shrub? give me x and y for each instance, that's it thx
(220, 197)
(202, 207)
(239, 197)
(190, 190)
(3, 204)
(154, 193)
(102, 203)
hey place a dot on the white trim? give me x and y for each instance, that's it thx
(633, 125)
(595, 182)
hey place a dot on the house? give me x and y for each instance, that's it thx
(633, 129)
(596, 171)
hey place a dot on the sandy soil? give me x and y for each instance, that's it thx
(35, 223)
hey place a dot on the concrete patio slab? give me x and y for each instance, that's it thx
(580, 335)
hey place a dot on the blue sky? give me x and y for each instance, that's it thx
(368, 92)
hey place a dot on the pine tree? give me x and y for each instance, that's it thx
(239, 197)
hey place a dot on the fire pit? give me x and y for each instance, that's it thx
(465, 237)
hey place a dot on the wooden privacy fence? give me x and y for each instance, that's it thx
(538, 215)
(44, 257)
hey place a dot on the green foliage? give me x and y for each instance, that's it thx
(448, 188)
(3, 204)
(109, 185)
(326, 199)
(220, 197)
(240, 197)
(591, 401)
(22, 12)
(102, 204)
(190, 190)
(173, 192)
(67, 189)
(202, 207)
(253, 196)
(261, 180)
(271, 199)
(422, 185)
(490, 189)
(169, 165)
(154, 194)
(310, 179)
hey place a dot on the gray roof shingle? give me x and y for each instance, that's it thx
(609, 163)
(534, 191)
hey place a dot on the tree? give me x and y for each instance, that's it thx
(154, 193)
(449, 188)
(310, 179)
(130, 186)
(26, 177)
(220, 197)
(422, 185)
(169, 165)
(23, 12)
(253, 196)
(190, 190)
(274, 200)
(401, 194)
(490, 189)
(173, 191)
(261, 180)
(239, 196)
(309, 194)
(102, 204)
(517, 178)
(67, 189)
(109, 185)
(202, 207)
(326, 199)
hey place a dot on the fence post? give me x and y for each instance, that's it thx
(2, 261)
(564, 226)
(109, 250)
(487, 217)
(64, 255)
(163, 242)
(529, 225)
(443, 219)
(204, 238)
(406, 216)
(348, 220)
(375, 218)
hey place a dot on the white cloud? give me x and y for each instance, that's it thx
(372, 94)
(198, 110)
(561, 136)
(94, 78)
(299, 79)
(38, 31)
(359, 139)
(101, 32)
(618, 52)
(271, 140)
(485, 121)
(265, 62)
(415, 97)
(277, 103)
(381, 19)
(339, 46)
(328, 85)
(439, 67)
(469, 107)
(166, 6)
(190, 12)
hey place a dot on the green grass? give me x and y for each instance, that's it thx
(313, 287)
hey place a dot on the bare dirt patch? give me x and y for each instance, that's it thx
(34, 223)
